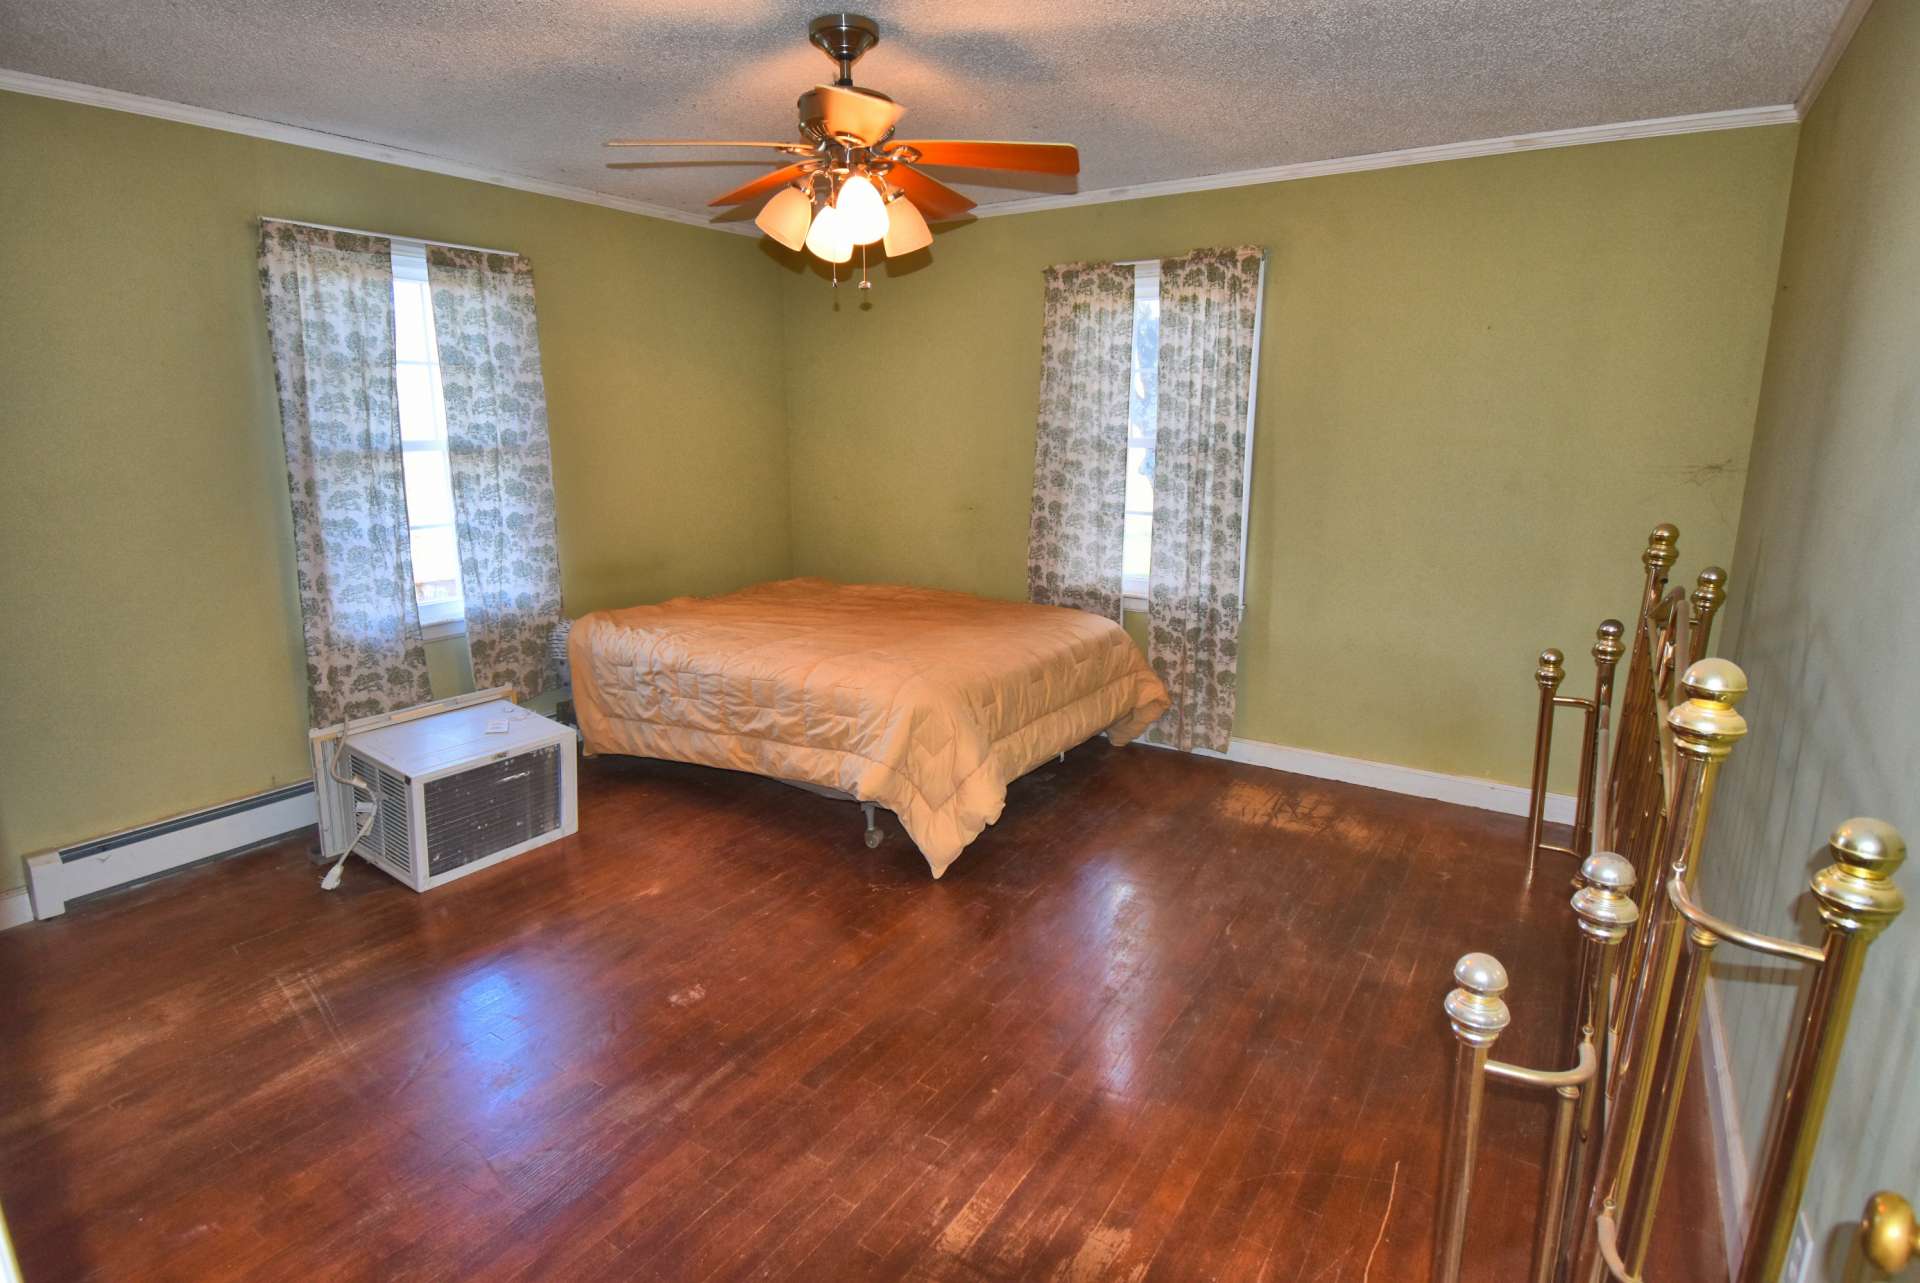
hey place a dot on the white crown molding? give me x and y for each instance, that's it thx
(114, 100)
(1704, 122)
(1850, 20)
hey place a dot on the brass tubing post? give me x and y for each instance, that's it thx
(1856, 898)
(1553, 1197)
(1709, 593)
(1477, 1014)
(1705, 728)
(1547, 675)
(1597, 786)
(1606, 913)
(1672, 1058)
(1583, 793)
(1661, 552)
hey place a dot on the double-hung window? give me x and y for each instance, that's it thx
(1136, 555)
(423, 436)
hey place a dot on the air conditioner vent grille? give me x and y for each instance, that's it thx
(490, 807)
(389, 842)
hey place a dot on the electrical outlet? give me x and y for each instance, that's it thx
(1799, 1253)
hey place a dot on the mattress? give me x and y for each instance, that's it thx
(928, 703)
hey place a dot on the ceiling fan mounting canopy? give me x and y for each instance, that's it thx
(843, 37)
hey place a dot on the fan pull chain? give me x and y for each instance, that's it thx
(865, 284)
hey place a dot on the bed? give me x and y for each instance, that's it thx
(927, 703)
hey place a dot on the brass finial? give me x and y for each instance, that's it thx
(1706, 726)
(1709, 590)
(1889, 1238)
(1603, 902)
(1856, 892)
(1475, 1008)
(1607, 647)
(1662, 546)
(1552, 668)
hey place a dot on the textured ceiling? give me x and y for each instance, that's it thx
(1168, 90)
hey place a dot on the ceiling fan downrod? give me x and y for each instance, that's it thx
(843, 37)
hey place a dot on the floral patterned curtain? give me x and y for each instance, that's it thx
(329, 300)
(1080, 451)
(496, 403)
(1209, 305)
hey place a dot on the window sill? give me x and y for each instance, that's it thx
(1134, 604)
(443, 629)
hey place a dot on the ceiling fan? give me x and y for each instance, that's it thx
(854, 183)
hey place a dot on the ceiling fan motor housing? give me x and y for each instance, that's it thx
(843, 37)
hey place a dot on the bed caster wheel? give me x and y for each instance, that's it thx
(873, 838)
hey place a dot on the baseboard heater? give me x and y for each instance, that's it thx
(56, 879)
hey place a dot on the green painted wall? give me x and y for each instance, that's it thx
(152, 640)
(1828, 627)
(1440, 341)
(1482, 383)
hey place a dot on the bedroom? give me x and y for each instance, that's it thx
(1529, 281)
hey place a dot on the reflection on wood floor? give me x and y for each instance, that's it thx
(1171, 1018)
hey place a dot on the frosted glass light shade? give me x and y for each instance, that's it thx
(906, 229)
(861, 213)
(827, 240)
(786, 217)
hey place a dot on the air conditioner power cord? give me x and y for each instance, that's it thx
(369, 808)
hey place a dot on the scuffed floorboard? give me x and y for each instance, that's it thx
(1170, 1019)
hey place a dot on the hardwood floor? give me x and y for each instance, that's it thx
(1171, 1018)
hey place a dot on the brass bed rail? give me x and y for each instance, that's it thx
(1641, 977)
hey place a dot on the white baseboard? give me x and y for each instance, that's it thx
(1723, 1116)
(55, 878)
(16, 908)
(1461, 790)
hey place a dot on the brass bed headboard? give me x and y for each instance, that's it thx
(1619, 803)
(1641, 976)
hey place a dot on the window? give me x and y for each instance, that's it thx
(1136, 554)
(423, 436)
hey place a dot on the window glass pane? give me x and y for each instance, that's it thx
(1140, 479)
(1143, 401)
(410, 324)
(436, 565)
(1136, 552)
(429, 488)
(419, 420)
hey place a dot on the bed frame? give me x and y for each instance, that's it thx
(874, 834)
(1641, 977)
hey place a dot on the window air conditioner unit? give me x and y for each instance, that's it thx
(452, 787)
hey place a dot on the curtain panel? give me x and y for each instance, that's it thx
(483, 318)
(1209, 309)
(1080, 449)
(329, 304)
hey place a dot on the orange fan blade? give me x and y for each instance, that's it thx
(1038, 158)
(934, 198)
(860, 114)
(762, 185)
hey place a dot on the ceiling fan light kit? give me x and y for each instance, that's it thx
(853, 185)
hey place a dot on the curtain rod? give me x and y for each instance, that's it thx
(387, 236)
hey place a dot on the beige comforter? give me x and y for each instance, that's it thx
(926, 702)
